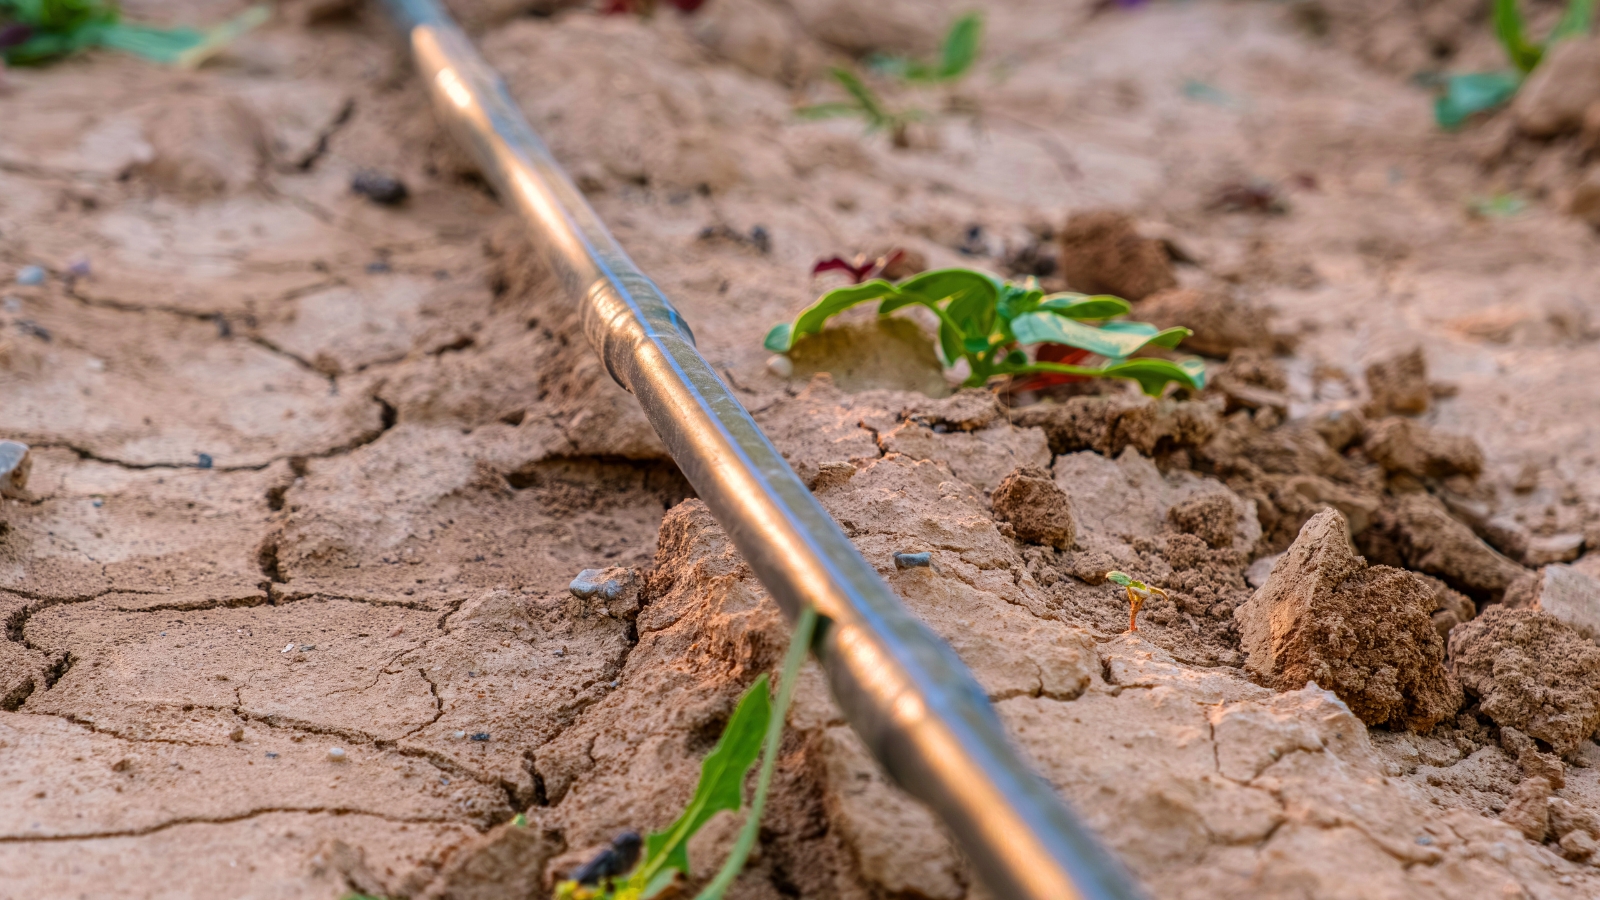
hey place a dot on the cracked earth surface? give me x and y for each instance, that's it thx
(311, 472)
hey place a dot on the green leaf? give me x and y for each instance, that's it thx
(1113, 341)
(721, 784)
(1467, 95)
(1084, 306)
(811, 319)
(960, 49)
(1153, 375)
(972, 296)
(863, 94)
(1509, 28)
(1575, 22)
(799, 644)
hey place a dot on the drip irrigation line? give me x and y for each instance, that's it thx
(913, 703)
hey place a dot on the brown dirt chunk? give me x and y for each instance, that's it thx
(1365, 633)
(1221, 322)
(1399, 385)
(1039, 510)
(1531, 672)
(1416, 531)
(1211, 517)
(1407, 447)
(1102, 253)
(1560, 91)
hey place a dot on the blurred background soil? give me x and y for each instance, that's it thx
(314, 472)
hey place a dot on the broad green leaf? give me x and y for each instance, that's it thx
(1167, 337)
(1509, 28)
(813, 317)
(971, 296)
(1153, 375)
(1122, 340)
(1084, 306)
(1016, 299)
(721, 784)
(1467, 95)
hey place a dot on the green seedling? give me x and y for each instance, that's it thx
(1138, 592)
(987, 321)
(956, 55)
(1476, 92)
(865, 104)
(756, 727)
(39, 31)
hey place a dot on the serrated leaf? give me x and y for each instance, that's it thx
(721, 784)
(1085, 306)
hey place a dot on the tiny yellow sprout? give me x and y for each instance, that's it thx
(1138, 592)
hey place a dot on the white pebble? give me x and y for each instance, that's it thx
(780, 365)
(286, 648)
(336, 754)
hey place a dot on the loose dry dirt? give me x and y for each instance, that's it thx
(315, 473)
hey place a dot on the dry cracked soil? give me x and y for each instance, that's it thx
(311, 472)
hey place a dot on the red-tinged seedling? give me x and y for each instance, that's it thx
(987, 323)
(1138, 592)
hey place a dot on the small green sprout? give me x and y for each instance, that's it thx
(1476, 92)
(987, 321)
(1138, 592)
(865, 104)
(956, 55)
(39, 31)
(756, 727)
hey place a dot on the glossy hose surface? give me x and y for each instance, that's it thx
(913, 703)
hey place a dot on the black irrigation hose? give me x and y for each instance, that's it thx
(917, 708)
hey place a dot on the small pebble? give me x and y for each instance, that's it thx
(98, 503)
(398, 630)
(1425, 841)
(286, 648)
(458, 735)
(307, 647)
(378, 267)
(379, 187)
(271, 755)
(237, 734)
(205, 460)
(30, 275)
(336, 754)
(79, 268)
(588, 585)
(12, 304)
(480, 736)
(780, 365)
(15, 464)
(760, 239)
(913, 560)
(561, 651)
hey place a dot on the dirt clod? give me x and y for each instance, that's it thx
(1529, 809)
(1561, 89)
(1416, 531)
(1038, 509)
(1221, 322)
(1564, 592)
(1531, 672)
(1102, 253)
(1398, 385)
(1364, 633)
(1407, 447)
(508, 861)
(1211, 517)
